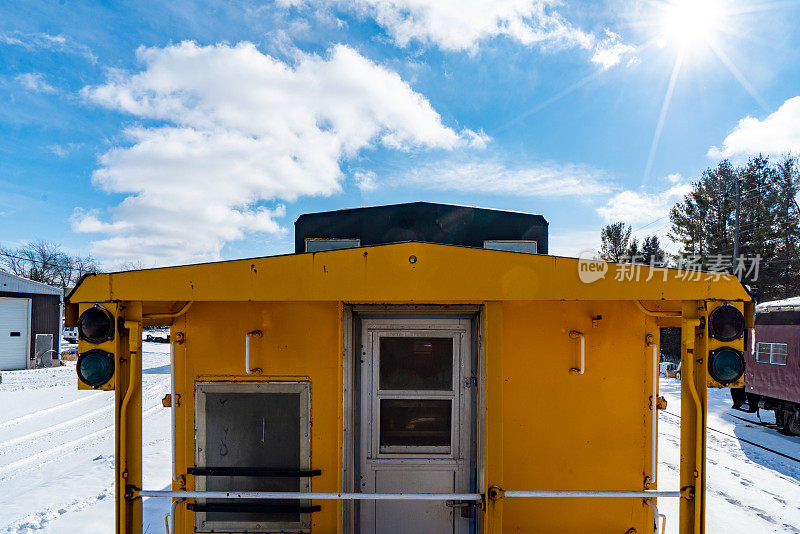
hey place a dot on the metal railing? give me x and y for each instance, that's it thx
(494, 492)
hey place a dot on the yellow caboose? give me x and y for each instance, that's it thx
(399, 374)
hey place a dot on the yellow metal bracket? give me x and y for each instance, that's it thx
(496, 493)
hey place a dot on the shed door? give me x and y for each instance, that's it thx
(415, 419)
(14, 333)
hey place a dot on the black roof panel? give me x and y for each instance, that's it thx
(421, 221)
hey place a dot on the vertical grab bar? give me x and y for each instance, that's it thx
(574, 334)
(654, 407)
(657, 516)
(172, 405)
(247, 352)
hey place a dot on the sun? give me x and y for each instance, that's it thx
(688, 23)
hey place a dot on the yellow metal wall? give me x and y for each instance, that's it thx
(566, 431)
(545, 428)
(301, 341)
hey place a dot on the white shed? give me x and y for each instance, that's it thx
(27, 308)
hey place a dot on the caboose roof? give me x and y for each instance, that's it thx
(400, 273)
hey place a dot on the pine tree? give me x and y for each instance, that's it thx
(787, 260)
(614, 240)
(704, 222)
(651, 251)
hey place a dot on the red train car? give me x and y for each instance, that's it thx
(772, 368)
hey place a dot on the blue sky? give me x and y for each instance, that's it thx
(194, 131)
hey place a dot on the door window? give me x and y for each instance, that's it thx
(414, 363)
(414, 394)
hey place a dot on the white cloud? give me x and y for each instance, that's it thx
(638, 207)
(647, 213)
(64, 150)
(45, 41)
(366, 180)
(611, 50)
(35, 82)
(779, 133)
(572, 244)
(541, 180)
(463, 24)
(237, 129)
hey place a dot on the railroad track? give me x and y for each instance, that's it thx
(742, 439)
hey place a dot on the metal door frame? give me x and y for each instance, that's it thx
(201, 389)
(352, 318)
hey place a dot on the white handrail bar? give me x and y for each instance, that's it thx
(294, 495)
(657, 516)
(247, 352)
(172, 405)
(576, 334)
(171, 517)
(639, 494)
(654, 417)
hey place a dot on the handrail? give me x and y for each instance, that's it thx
(475, 497)
(294, 495)
(170, 518)
(134, 336)
(650, 340)
(656, 313)
(599, 493)
(172, 315)
(173, 402)
(657, 516)
(301, 496)
(575, 334)
(247, 352)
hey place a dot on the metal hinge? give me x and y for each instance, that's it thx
(661, 403)
(166, 402)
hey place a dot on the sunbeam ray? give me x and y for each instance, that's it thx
(558, 96)
(662, 116)
(737, 74)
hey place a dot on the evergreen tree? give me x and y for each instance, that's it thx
(614, 241)
(651, 251)
(704, 223)
(787, 259)
(633, 253)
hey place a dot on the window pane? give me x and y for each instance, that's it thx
(410, 363)
(779, 352)
(762, 352)
(415, 423)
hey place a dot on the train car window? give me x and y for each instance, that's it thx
(252, 428)
(772, 353)
(314, 244)
(416, 363)
(415, 423)
(512, 245)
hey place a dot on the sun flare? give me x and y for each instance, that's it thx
(686, 23)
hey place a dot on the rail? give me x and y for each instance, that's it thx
(181, 496)
(575, 334)
(247, 352)
(650, 340)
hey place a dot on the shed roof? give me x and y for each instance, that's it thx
(404, 272)
(10, 283)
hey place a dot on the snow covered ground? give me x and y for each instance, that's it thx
(749, 489)
(57, 449)
(57, 457)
